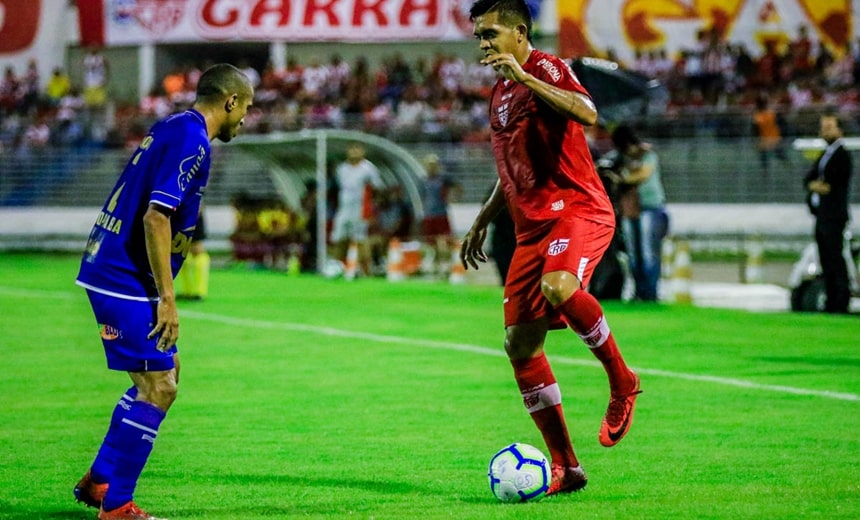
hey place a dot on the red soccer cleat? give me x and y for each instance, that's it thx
(129, 511)
(619, 416)
(89, 492)
(566, 479)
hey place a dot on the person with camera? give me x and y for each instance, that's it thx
(634, 166)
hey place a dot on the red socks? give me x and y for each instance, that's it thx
(542, 399)
(583, 313)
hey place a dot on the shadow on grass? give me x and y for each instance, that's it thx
(376, 486)
(14, 513)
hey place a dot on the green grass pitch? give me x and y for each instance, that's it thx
(310, 398)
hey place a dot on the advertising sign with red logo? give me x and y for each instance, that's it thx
(159, 21)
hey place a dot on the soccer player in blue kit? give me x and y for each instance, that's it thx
(136, 247)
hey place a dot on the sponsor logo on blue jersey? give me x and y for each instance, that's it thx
(189, 166)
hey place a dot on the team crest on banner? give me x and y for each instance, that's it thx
(156, 16)
(557, 247)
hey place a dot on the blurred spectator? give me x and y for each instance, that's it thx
(270, 86)
(9, 90)
(357, 180)
(359, 92)
(96, 77)
(397, 77)
(155, 103)
(58, 86)
(193, 277)
(767, 66)
(250, 72)
(174, 85)
(314, 80)
(192, 75)
(246, 237)
(38, 133)
(69, 131)
(30, 86)
(437, 191)
(322, 112)
(309, 233)
(800, 53)
(393, 220)
(767, 124)
(338, 75)
(291, 82)
(411, 112)
(451, 72)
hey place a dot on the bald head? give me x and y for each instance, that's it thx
(221, 81)
(224, 95)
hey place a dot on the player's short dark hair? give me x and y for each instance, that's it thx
(623, 137)
(511, 12)
(222, 80)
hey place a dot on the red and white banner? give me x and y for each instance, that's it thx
(591, 27)
(41, 29)
(130, 22)
(35, 30)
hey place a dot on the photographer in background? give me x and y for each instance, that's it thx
(635, 168)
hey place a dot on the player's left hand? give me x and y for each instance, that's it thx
(506, 65)
(167, 327)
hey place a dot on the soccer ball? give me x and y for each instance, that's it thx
(519, 472)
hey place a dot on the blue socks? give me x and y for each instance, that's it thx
(102, 467)
(131, 443)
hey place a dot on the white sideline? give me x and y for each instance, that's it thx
(444, 345)
(475, 349)
(461, 347)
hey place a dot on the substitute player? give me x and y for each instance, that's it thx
(135, 249)
(563, 221)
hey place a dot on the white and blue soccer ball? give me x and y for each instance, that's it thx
(518, 473)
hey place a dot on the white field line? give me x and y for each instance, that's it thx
(461, 347)
(475, 349)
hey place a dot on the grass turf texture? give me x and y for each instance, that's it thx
(306, 397)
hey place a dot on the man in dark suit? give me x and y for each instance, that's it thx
(827, 184)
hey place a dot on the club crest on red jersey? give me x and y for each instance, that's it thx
(502, 111)
(558, 246)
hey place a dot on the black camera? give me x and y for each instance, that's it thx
(612, 161)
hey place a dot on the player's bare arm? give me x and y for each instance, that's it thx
(574, 105)
(472, 250)
(639, 174)
(156, 225)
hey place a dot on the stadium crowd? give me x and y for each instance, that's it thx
(430, 98)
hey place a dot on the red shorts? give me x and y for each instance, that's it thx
(436, 226)
(574, 245)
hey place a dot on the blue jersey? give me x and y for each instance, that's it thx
(170, 168)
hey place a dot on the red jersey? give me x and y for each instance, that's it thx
(544, 163)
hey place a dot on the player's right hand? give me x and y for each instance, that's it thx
(472, 250)
(167, 326)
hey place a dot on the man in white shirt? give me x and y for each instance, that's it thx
(357, 178)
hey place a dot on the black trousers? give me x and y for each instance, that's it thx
(828, 236)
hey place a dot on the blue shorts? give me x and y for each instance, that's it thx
(123, 326)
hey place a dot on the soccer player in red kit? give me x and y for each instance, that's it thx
(563, 221)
